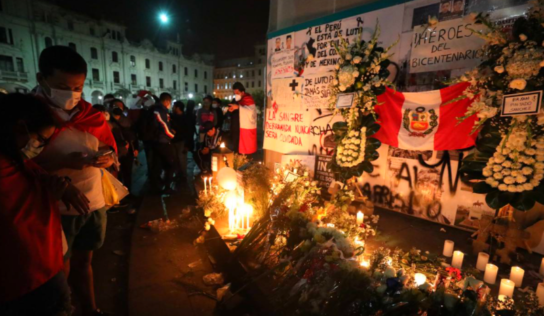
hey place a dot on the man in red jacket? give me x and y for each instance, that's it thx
(78, 150)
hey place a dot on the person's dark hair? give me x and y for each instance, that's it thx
(208, 126)
(208, 97)
(117, 112)
(238, 86)
(165, 96)
(190, 110)
(217, 100)
(61, 58)
(99, 108)
(288, 37)
(109, 96)
(180, 105)
(118, 100)
(18, 107)
(278, 39)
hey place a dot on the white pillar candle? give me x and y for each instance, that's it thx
(360, 217)
(205, 184)
(211, 183)
(507, 288)
(540, 293)
(490, 275)
(457, 261)
(516, 275)
(542, 267)
(483, 259)
(448, 248)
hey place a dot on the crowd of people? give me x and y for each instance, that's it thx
(56, 150)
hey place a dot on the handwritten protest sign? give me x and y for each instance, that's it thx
(448, 45)
(283, 64)
(316, 90)
(323, 175)
(287, 92)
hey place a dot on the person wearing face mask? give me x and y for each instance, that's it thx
(205, 114)
(81, 146)
(216, 106)
(243, 121)
(33, 281)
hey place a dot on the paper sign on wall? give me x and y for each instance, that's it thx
(527, 103)
(316, 90)
(448, 45)
(283, 64)
(287, 92)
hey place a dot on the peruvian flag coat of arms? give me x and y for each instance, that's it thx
(425, 120)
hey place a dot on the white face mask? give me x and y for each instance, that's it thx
(64, 99)
(215, 105)
(32, 149)
(237, 97)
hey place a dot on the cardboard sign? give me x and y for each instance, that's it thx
(527, 103)
(316, 90)
(345, 100)
(448, 45)
(283, 64)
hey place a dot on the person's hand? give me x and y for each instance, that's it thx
(76, 160)
(56, 185)
(72, 197)
(205, 150)
(233, 107)
(103, 161)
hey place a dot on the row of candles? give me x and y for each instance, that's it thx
(507, 286)
(239, 213)
(208, 184)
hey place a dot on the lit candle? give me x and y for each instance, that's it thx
(211, 184)
(419, 278)
(365, 263)
(360, 218)
(483, 259)
(457, 261)
(540, 293)
(542, 267)
(490, 275)
(448, 248)
(205, 184)
(330, 225)
(507, 288)
(516, 275)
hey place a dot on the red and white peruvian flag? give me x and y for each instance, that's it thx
(423, 120)
(248, 125)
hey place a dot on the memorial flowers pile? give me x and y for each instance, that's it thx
(509, 154)
(362, 72)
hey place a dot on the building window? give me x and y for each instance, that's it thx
(253, 84)
(133, 60)
(196, 87)
(72, 46)
(114, 57)
(6, 63)
(20, 66)
(160, 65)
(91, 30)
(260, 73)
(133, 79)
(48, 42)
(174, 69)
(147, 64)
(96, 74)
(196, 74)
(116, 78)
(148, 81)
(186, 71)
(161, 83)
(205, 89)
(175, 85)
(119, 38)
(94, 53)
(253, 73)
(247, 84)
(71, 25)
(205, 75)
(259, 83)
(6, 36)
(186, 87)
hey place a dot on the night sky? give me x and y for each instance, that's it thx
(225, 28)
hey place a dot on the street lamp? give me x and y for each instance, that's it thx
(163, 18)
(190, 95)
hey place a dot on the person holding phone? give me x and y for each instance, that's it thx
(81, 146)
(31, 269)
(243, 126)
